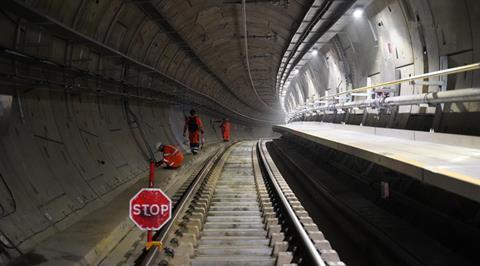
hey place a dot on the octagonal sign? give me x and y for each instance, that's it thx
(150, 209)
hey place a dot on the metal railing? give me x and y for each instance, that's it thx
(385, 101)
(449, 71)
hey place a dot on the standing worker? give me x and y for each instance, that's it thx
(195, 128)
(225, 126)
(172, 156)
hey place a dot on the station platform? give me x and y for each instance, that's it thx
(448, 161)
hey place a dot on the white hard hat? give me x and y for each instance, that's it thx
(158, 145)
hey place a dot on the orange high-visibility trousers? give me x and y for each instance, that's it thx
(194, 136)
(172, 156)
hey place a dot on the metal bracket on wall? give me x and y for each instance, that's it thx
(440, 84)
(364, 117)
(437, 119)
(393, 116)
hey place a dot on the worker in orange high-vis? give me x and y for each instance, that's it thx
(225, 126)
(172, 156)
(194, 126)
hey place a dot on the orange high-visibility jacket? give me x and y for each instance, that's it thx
(195, 135)
(172, 156)
(225, 130)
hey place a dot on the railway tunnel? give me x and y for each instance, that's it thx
(354, 131)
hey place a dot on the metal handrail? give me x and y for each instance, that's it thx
(448, 71)
(454, 70)
(431, 98)
(310, 247)
(164, 232)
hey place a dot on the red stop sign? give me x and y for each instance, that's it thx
(150, 209)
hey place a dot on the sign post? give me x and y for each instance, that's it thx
(151, 183)
(150, 209)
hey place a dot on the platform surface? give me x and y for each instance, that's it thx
(447, 161)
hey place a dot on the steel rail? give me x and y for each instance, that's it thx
(161, 236)
(346, 211)
(306, 241)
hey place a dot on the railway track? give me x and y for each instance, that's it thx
(240, 211)
(363, 227)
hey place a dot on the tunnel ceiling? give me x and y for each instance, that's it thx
(214, 29)
(197, 44)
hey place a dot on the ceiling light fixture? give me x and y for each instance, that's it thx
(358, 12)
(314, 51)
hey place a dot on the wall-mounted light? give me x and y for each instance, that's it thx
(314, 51)
(358, 12)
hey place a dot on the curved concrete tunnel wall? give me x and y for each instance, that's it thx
(124, 27)
(64, 155)
(396, 39)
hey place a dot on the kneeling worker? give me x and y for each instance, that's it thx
(172, 156)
